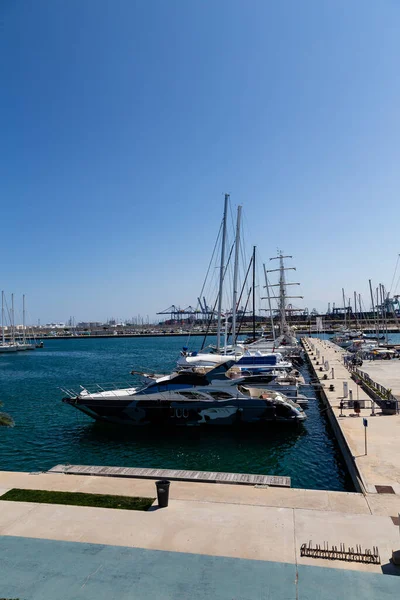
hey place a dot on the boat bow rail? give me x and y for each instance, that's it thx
(112, 389)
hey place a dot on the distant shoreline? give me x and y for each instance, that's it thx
(187, 334)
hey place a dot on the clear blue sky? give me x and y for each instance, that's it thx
(123, 123)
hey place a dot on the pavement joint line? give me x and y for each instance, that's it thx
(368, 504)
(295, 555)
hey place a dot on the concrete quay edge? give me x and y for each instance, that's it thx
(379, 466)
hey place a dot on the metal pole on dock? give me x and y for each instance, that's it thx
(365, 423)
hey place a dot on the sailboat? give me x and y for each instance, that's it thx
(25, 343)
(5, 346)
(286, 342)
(249, 359)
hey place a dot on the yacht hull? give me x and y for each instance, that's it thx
(166, 413)
(6, 348)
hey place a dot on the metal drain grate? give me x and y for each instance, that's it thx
(384, 489)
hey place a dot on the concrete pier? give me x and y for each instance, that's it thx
(380, 466)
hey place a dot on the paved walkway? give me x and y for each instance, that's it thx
(201, 525)
(381, 465)
(44, 570)
(237, 542)
(181, 490)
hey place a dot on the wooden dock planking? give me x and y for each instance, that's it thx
(174, 475)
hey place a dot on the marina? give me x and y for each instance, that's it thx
(189, 407)
(48, 432)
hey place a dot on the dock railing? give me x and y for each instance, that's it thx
(382, 396)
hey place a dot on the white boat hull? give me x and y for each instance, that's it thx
(7, 348)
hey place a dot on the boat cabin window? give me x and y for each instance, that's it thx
(191, 395)
(220, 395)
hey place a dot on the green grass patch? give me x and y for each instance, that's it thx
(78, 499)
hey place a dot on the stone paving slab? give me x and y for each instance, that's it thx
(261, 533)
(349, 530)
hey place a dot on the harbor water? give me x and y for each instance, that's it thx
(48, 432)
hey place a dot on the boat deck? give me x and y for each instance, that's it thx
(174, 475)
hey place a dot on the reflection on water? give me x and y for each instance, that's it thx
(48, 432)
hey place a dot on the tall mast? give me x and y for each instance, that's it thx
(2, 318)
(355, 308)
(377, 315)
(372, 300)
(254, 292)
(23, 318)
(235, 274)
(269, 304)
(345, 309)
(12, 320)
(282, 289)
(221, 274)
(384, 315)
(282, 293)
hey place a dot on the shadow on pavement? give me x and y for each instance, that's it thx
(390, 569)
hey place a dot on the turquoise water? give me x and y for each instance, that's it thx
(48, 432)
